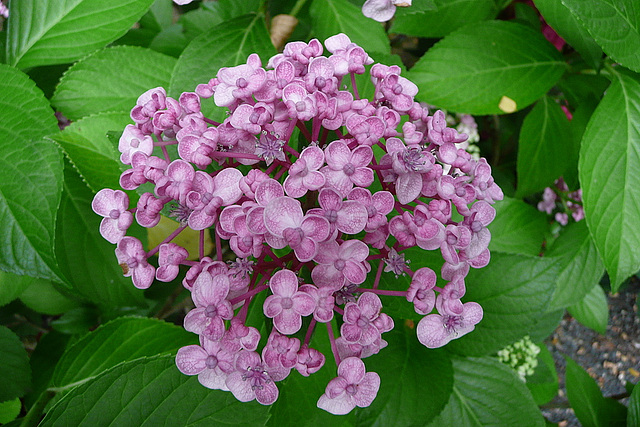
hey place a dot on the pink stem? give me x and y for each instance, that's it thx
(376, 282)
(225, 154)
(354, 86)
(211, 122)
(249, 294)
(201, 244)
(384, 292)
(312, 326)
(218, 247)
(334, 348)
(166, 240)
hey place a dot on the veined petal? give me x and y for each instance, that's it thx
(191, 360)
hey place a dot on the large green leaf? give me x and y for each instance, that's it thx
(518, 228)
(580, 265)
(226, 45)
(30, 177)
(571, 29)
(43, 297)
(445, 17)
(44, 32)
(87, 146)
(14, 369)
(543, 383)
(111, 80)
(331, 17)
(486, 392)
(87, 260)
(633, 416)
(544, 146)
(151, 392)
(11, 286)
(609, 168)
(585, 398)
(480, 69)
(121, 340)
(592, 310)
(614, 24)
(513, 290)
(405, 366)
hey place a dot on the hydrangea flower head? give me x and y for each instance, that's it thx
(313, 194)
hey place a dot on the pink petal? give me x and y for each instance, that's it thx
(195, 321)
(214, 379)
(362, 177)
(281, 213)
(340, 405)
(143, 276)
(255, 220)
(355, 250)
(240, 388)
(408, 187)
(284, 283)
(294, 186)
(287, 322)
(337, 154)
(351, 332)
(352, 312)
(362, 155)
(370, 304)
(226, 184)
(303, 304)
(272, 306)
(329, 199)
(191, 359)
(352, 369)
(200, 219)
(306, 250)
(383, 202)
(316, 228)
(431, 331)
(352, 218)
(267, 394)
(268, 190)
(367, 389)
(314, 156)
(314, 180)
(354, 272)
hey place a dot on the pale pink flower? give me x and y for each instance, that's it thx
(352, 387)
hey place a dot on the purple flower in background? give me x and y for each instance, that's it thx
(436, 330)
(251, 380)
(210, 361)
(352, 387)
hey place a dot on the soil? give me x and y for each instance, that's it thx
(612, 359)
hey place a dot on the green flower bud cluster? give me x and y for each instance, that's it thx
(521, 356)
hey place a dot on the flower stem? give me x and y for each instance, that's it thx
(384, 292)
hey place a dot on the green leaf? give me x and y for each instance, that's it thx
(9, 410)
(633, 416)
(43, 297)
(87, 146)
(159, 16)
(513, 290)
(614, 24)
(479, 69)
(87, 260)
(43, 362)
(170, 41)
(77, 321)
(14, 369)
(609, 166)
(518, 228)
(225, 10)
(486, 392)
(543, 383)
(151, 392)
(57, 32)
(447, 16)
(331, 17)
(111, 79)
(586, 399)
(121, 340)
(543, 148)
(580, 265)
(226, 45)
(592, 310)
(11, 286)
(405, 366)
(30, 177)
(565, 23)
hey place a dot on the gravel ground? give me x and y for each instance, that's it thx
(612, 359)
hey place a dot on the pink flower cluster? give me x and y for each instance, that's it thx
(304, 220)
(563, 202)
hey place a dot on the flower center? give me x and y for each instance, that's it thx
(242, 83)
(351, 389)
(211, 362)
(476, 226)
(286, 303)
(349, 169)
(293, 236)
(371, 211)
(339, 264)
(320, 82)
(257, 377)
(300, 106)
(114, 214)
(331, 215)
(211, 311)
